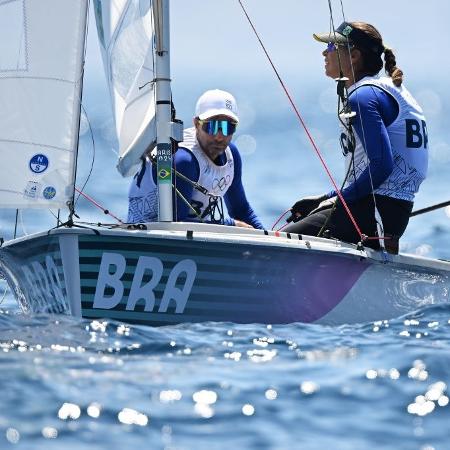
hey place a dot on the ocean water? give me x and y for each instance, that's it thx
(76, 384)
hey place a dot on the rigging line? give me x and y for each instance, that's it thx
(212, 198)
(297, 113)
(152, 159)
(15, 225)
(349, 126)
(342, 10)
(185, 200)
(56, 216)
(101, 224)
(213, 207)
(210, 209)
(357, 102)
(364, 143)
(327, 221)
(194, 184)
(106, 211)
(91, 133)
(278, 220)
(334, 33)
(72, 202)
(341, 91)
(85, 113)
(352, 164)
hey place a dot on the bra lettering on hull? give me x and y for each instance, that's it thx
(112, 268)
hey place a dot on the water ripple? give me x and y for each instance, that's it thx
(75, 382)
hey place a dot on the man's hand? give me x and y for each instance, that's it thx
(240, 223)
(305, 206)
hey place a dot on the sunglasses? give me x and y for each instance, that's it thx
(212, 127)
(332, 47)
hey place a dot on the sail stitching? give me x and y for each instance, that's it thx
(12, 141)
(25, 28)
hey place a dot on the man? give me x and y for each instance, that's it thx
(206, 156)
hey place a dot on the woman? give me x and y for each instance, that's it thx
(384, 141)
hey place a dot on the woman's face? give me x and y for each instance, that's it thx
(334, 55)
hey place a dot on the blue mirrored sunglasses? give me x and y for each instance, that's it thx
(212, 127)
(332, 47)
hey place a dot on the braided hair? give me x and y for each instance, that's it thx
(390, 65)
(372, 62)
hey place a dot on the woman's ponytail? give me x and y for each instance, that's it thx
(390, 65)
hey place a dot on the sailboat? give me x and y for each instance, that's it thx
(164, 272)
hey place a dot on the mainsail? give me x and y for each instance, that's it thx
(126, 35)
(41, 67)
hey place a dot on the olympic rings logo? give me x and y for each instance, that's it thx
(222, 183)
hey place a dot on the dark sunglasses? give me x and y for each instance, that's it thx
(212, 127)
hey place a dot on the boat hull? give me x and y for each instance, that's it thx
(160, 277)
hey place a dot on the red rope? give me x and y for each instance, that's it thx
(279, 218)
(303, 124)
(106, 211)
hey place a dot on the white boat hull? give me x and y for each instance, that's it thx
(175, 273)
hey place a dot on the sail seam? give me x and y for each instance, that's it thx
(62, 80)
(12, 141)
(24, 65)
(5, 2)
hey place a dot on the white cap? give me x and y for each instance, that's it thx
(216, 103)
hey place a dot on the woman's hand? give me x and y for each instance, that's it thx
(305, 206)
(326, 204)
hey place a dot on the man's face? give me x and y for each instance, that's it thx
(212, 144)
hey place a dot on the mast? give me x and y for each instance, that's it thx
(77, 115)
(163, 109)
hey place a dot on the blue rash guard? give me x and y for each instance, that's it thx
(376, 110)
(235, 199)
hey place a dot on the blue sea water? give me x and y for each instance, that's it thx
(76, 384)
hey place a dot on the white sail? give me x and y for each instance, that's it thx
(41, 66)
(125, 30)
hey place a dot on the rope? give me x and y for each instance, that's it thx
(278, 220)
(91, 134)
(106, 211)
(350, 130)
(302, 122)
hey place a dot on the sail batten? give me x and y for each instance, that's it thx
(41, 72)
